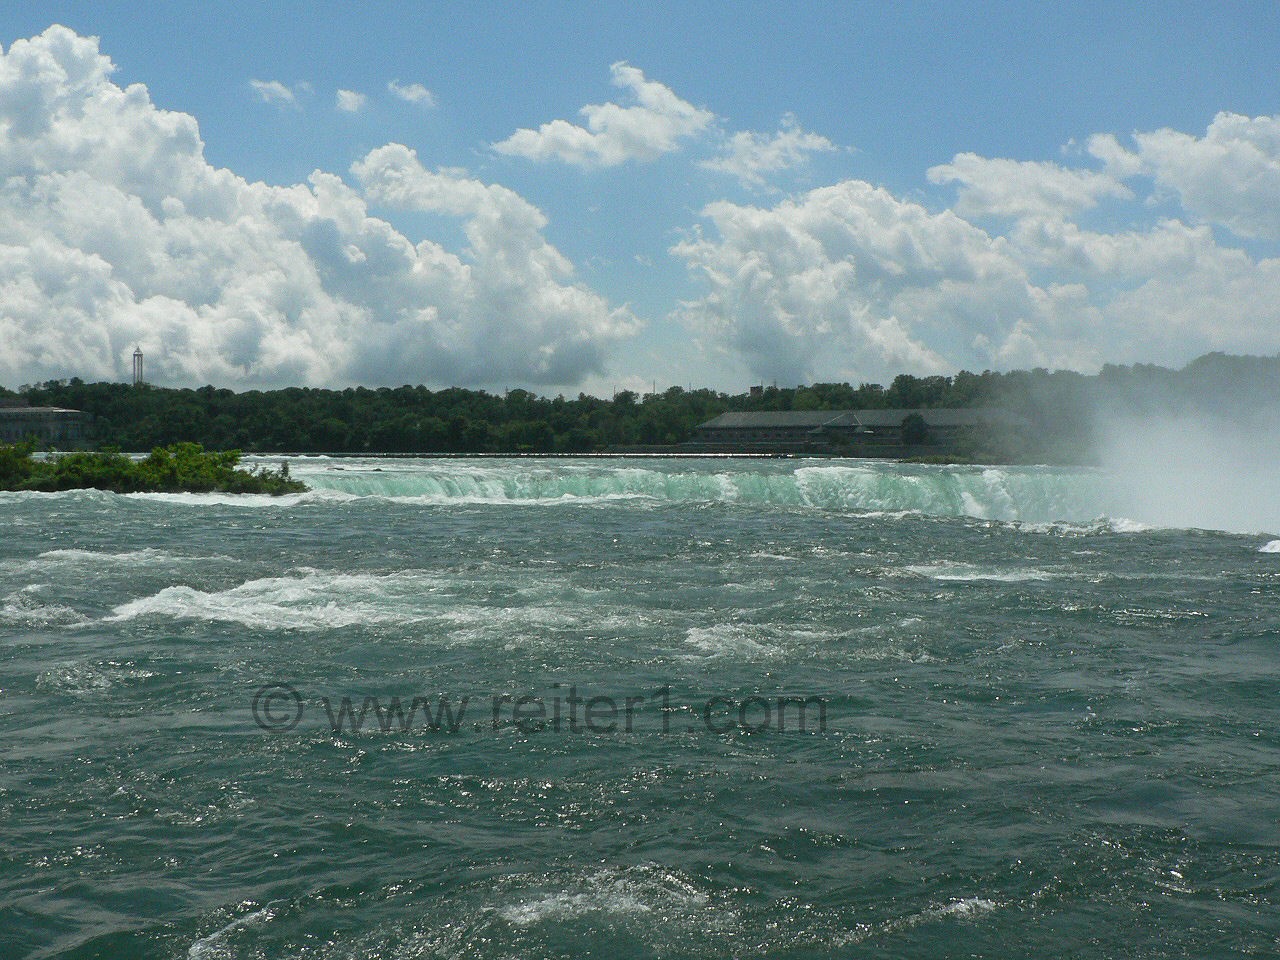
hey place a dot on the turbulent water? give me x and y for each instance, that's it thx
(636, 708)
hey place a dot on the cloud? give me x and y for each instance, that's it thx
(412, 93)
(511, 272)
(1230, 176)
(614, 134)
(115, 231)
(1012, 188)
(1119, 162)
(851, 282)
(273, 91)
(752, 157)
(348, 101)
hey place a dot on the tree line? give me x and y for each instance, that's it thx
(1056, 411)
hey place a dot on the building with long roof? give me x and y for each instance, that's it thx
(49, 425)
(867, 431)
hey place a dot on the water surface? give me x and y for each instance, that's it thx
(1049, 730)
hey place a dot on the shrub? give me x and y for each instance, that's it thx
(181, 467)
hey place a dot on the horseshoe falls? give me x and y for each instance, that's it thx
(642, 707)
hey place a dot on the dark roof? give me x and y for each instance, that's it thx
(815, 419)
(775, 418)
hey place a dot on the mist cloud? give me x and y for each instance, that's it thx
(1193, 470)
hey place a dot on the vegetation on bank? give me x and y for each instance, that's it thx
(1058, 413)
(362, 420)
(178, 468)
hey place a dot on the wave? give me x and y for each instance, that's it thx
(731, 640)
(647, 889)
(25, 608)
(646, 907)
(212, 946)
(963, 572)
(77, 556)
(113, 559)
(308, 600)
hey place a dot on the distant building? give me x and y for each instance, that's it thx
(867, 431)
(52, 425)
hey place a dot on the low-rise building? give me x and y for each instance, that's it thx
(865, 431)
(48, 425)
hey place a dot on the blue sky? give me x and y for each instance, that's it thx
(568, 196)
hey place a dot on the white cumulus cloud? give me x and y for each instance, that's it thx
(615, 134)
(1230, 176)
(517, 310)
(848, 281)
(115, 231)
(1012, 188)
(851, 282)
(753, 157)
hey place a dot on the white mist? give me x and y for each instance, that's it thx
(1202, 472)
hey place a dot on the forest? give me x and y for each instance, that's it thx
(1057, 410)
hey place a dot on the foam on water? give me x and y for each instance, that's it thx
(963, 910)
(1099, 525)
(307, 600)
(999, 493)
(965, 572)
(966, 907)
(637, 891)
(38, 496)
(729, 640)
(1030, 495)
(106, 558)
(243, 500)
(25, 608)
(92, 556)
(85, 678)
(216, 945)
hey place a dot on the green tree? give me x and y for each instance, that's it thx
(914, 430)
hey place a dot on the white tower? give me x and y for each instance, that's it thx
(137, 365)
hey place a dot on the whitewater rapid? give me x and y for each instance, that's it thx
(1027, 494)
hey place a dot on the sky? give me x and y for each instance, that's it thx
(569, 197)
